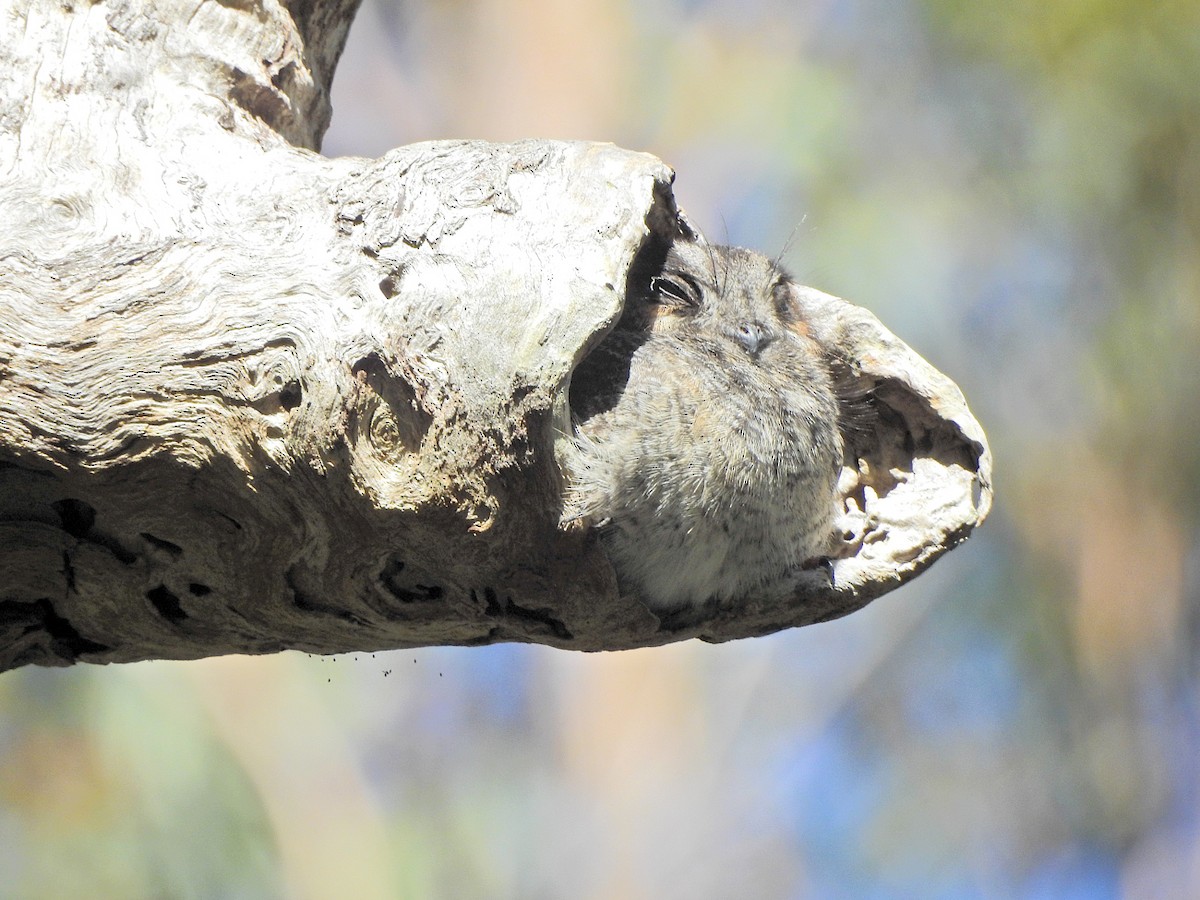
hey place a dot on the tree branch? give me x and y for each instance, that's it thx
(254, 399)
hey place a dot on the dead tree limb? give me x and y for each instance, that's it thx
(254, 399)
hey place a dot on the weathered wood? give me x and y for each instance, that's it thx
(254, 399)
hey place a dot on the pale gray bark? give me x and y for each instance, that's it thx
(254, 399)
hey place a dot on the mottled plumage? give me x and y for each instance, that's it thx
(707, 445)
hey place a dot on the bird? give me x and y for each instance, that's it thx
(706, 441)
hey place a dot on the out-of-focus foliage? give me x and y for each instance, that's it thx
(1014, 189)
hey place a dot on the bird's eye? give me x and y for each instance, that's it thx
(678, 292)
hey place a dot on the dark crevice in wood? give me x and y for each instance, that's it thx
(167, 604)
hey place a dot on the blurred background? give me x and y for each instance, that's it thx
(1012, 188)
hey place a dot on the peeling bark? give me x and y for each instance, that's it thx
(254, 399)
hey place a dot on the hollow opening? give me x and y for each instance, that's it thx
(601, 375)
